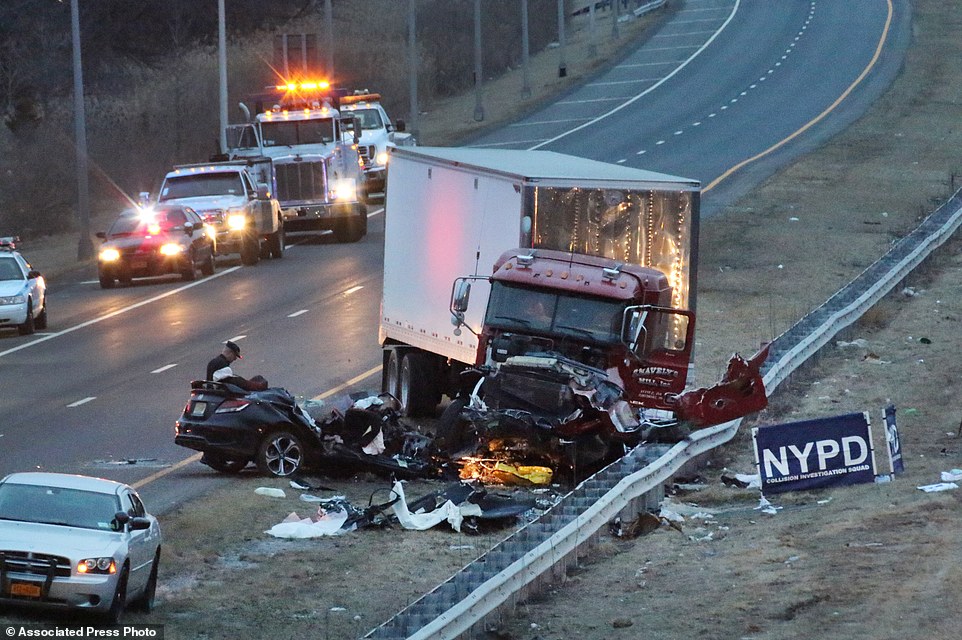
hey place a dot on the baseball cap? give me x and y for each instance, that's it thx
(233, 347)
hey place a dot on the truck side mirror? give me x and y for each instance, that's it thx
(263, 193)
(633, 331)
(461, 296)
(357, 130)
(400, 126)
(101, 234)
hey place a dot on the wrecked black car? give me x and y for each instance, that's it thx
(233, 427)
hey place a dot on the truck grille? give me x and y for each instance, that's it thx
(300, 181)
(367, 153)
(34, 563)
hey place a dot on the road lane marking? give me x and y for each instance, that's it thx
(164, 368)
(808, 125)
(237, 338)
(112, 314)
(361, 376)
(354, 289)
(80, 402)
(297, 313)
(634, 99)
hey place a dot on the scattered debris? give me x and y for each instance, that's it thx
(860, 343)
(952, 475)
(270, 492)
(940, 486)
(621, 623)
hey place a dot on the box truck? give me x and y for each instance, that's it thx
(555, 286)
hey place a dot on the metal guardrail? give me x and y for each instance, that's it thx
(511, 570)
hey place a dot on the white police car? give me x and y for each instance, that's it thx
(76, 542)
(23, 291)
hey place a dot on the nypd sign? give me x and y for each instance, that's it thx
(815, 453)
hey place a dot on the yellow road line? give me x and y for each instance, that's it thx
(196, 457)
(811, 123)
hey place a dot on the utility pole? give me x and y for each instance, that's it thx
(562, 66)
(616, 13)
(592, 45)
(413, 67)
(478, 109)
(526, 84)
(85, 247)
(329, 24)
(222, 68)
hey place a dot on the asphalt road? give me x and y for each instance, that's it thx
(719, 82)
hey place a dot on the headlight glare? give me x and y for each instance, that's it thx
(236, 221)
(109, 255)
(171, 249)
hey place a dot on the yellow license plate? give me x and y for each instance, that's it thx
(25, 589)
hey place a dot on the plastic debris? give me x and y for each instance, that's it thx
(328, 523)
(861, 343)
(766, 507)
(425, 520)
(952, 475)
(940, 486)
(270, 492)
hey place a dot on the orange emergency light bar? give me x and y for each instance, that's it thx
(361, 97)
(322, 85)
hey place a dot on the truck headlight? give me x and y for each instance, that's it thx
(171, 249)
(236, 221)
(17, 299)
(382, 158)
(109, 255)
(344, 190)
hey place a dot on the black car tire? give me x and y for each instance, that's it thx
(41, 320)
(207, 268)
(280, 454)
(352, 229)
(392, 374)
(189, 271)
(452, 428)
(28, 327)
(119, 602)
(223, 464)
(148, 598)
(106, 282)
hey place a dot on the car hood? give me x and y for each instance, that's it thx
(11, 287)
(206, 203)
(143, 242)
(57, 540)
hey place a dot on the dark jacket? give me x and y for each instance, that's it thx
(216, 363)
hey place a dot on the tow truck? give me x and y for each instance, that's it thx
(316, 169)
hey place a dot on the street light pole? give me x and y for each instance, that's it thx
(329, 25)
(526, 85)
(562, 66)
(478, 109)
(222, 67)
(85, 248)
(413, 68)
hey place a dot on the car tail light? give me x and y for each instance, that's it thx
(231, 406)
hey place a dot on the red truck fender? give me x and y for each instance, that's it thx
(741, 391)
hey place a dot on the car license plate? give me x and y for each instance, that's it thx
(25, 589)
(198, 409)
(138, 263)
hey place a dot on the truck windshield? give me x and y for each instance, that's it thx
(195, 185)
(289, 133)
(370, 118)
(550, 313)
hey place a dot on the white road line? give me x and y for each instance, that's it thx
(590, 100)
(627, 103)
(238, 338)
(375, 212)
(613, 82)
(502, 144)
(353, 289)
(540, 122)
(630, 65)
(164, 368)
(297, 313)
(685, 33)
(112, 314)
(80, 402)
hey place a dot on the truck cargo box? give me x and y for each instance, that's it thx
(451, 212)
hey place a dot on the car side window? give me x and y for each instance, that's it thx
(126, 504)
(175, 219)
(139, 509)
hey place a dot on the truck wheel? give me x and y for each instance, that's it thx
(250, 251)
(352, 229)
(415, 388)
(392, 373)
(276, 244)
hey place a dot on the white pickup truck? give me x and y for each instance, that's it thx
(377, 134)
(234, 200)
